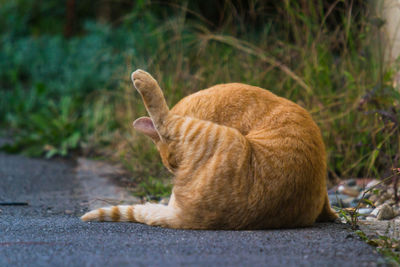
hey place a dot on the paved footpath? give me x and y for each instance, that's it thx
(47, 232)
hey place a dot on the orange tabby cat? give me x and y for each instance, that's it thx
(243, 158)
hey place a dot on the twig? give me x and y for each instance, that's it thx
(14, 203)
(396, 180)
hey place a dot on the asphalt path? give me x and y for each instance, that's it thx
(48, 232)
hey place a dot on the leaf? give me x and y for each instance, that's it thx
(373, 242)
(51, 153)
(369, 202)
(376, 191)
(73, 140)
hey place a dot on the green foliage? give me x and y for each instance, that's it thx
(153, 188)
(54, 129)
(45, 82)
(58, 94)
(388, 247)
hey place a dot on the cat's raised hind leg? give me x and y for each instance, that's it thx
(152, 95)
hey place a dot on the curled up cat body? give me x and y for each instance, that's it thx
(242, 157)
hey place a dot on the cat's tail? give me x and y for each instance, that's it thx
(148, 213)
(152, 95)
(327, 214)
(120, 213)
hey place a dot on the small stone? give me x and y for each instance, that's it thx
(364, 211)
(350, 191)
(385, 196)
(164, 201)
(373, 198)
(375, 212)
(391, 202)
(339, 200)
(351, 182)
(332, 190)
(390, 191)
(362, 196)
(396, 211)
(68, 211)
(385, 213)
(372, 183)
(353, 202)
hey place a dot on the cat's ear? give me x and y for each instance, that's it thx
(145, 125)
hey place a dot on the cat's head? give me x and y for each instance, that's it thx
(145, 125)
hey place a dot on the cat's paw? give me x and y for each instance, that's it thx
(143, 81)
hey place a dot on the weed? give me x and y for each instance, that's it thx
(351, 215)
(388, 247)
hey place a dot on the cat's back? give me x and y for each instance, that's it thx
(280, 176)
(236, 105)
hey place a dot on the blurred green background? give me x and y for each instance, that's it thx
(65, 71)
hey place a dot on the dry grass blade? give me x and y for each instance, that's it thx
(255, 51)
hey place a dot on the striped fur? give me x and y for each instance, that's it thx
(243, 158)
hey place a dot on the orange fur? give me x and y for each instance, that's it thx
(243, 158)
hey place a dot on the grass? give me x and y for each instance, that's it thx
(153, 189)
(62, 95)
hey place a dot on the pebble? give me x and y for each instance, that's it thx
(350, 191)
(164, 201)
(364, 211)
(351, 182)
(385, 196)
(361, 195)
(68, 211)
(350, 202)
(349, 194)
(373, 198)
(372, 183)
(390, 191)
(385, 213)
(375, 212)
(337, 200)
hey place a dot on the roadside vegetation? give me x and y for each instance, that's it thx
(387, 243)
(62, 94)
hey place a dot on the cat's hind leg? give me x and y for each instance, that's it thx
(149, 213)
(152, 95)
